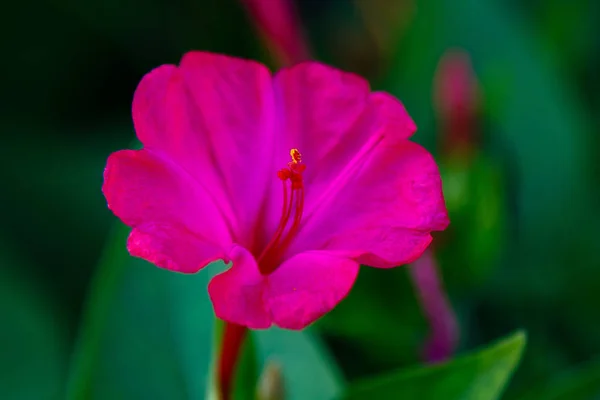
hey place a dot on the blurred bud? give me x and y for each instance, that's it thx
(279, 25)
(270, 385)
(444, 330)
(474, 186)
(457, 101)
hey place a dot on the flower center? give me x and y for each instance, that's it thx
(291, 213)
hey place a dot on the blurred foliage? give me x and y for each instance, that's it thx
(136, 311)
(70, 71)
(33, 343)
(479, 376)
(580, 383)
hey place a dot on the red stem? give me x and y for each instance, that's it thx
(279, 23)
(231, 346)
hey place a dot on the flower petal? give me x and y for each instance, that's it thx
(307, 286)
(382, 210)
(387, 114)
(172, 247)
(149, 111)
(214, 117)
(330, 116)
(319, 106)
(237, 294)
(177, 223)
(235, 105)
(300, 291)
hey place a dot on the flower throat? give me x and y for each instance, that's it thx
(291, 213)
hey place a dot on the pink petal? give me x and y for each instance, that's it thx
(234, 100)
(300, 291)
(172, 247)
(149, 111)
(307, 286)
(380, 209)
(237, 294)
(330, 115)
(178, 226)
(319, 106)
(213, 116)
(385, 112)
(369, 192)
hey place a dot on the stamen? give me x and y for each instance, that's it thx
(274, 250)
(296, 156)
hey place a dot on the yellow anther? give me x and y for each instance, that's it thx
(296, 156)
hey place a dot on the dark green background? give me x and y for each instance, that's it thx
(69, 70)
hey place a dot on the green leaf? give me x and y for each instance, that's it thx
(537, 125)
(246, 374)
(308, 370)
(478, 376)
(147, 332)
(380, 302)
(580, 384)
(301, 357)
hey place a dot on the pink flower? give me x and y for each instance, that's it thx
(295, 178)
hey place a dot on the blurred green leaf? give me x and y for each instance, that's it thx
(246, 378)
(381, 301)
(580, 384)
(478, 376)
(56, 211)
(474, 189)
(301, 357)
(308, 371)
(246, 374)
(540, 131)
(33, 338)
(146, 333)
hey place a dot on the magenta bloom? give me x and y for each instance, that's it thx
(295, 178)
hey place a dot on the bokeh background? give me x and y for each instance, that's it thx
(522, 252)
